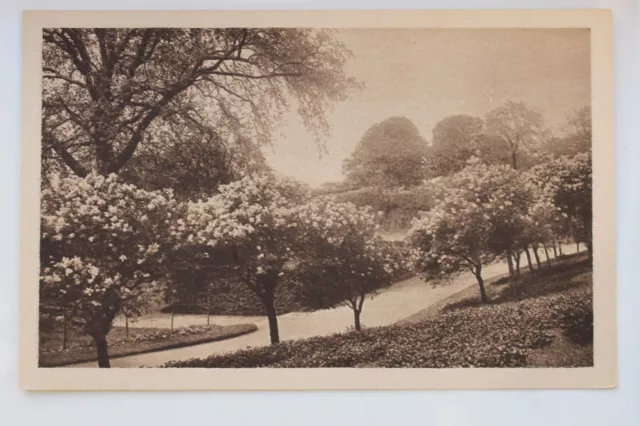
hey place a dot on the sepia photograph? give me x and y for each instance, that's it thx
(272, 197)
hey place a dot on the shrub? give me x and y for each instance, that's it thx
(575, 315)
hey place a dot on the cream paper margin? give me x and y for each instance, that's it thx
(602, 375)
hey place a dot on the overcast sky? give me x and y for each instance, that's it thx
(427, 75)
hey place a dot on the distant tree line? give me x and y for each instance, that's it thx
(392, 153)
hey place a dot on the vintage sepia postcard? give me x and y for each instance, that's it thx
(317, 200)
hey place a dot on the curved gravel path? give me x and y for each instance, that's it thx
(399, 301)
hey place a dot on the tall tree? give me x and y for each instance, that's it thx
(193, 165)
(390, 153)
(579, 125)
(577, 135)
(455, 140)
(518, 125)
(107, 92)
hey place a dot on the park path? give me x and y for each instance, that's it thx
(399, 301)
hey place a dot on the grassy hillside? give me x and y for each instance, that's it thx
(549, 323)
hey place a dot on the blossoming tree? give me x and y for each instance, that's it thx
(482, 215)
(347, 261)
(566, 183)
(103, 244)
(250, 229)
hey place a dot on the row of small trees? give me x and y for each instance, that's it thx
(488, 212)
(110, 248)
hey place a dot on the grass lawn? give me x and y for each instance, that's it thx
(547, 323)
(80, 346)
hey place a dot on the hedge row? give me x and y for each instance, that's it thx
(398, 206)
(236, 298)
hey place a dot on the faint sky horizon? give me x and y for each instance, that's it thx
(429, 74)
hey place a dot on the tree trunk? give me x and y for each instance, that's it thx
(208, 308)
(577, 246)
(526, 252)
(546, 253)
(126, 327)
(100, 341)
(64, 330)
(267, 299)
(535, 254)
(511, 271)
(483, 291)
(589, 241)
(514, 159)
(517, 257)
(560, 248)
(356, 317)
(555, 253)
(173, 310)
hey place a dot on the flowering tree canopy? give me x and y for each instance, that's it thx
(483, 214)
(102, 246)
(566, 184)
(347, 260)
(252, 229)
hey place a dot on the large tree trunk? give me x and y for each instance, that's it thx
(483, 291)
(100, 341)
(555, 253)
(99, 326)
(560, 248)
(272, 316)
(526, 252)
(535, 254)
(514, 159)
(589, 239)
(356, 318)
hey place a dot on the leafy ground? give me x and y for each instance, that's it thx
(546, 323)
(80, 347)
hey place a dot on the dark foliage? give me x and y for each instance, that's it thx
(229, 298)
(390, 153)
